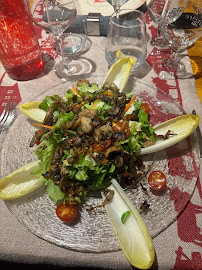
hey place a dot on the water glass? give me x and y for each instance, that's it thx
(127, 37)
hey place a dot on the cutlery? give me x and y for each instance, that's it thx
(8, 115)
(198, 131)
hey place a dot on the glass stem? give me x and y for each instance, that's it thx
(159, 30)
(171, 64)
(65, 66)
(173, 59)
(158, 39)
(116, 6)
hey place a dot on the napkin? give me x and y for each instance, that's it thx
(103, 22)
(76, 24)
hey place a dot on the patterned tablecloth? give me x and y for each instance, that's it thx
(178, 247)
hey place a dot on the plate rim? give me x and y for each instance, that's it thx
(136, 80)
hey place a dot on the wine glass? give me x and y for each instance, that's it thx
(179, 34)
(155, 8)
(127, 37)
(55, 17)
(74, 38)
(117, 4)
(60, 16)
(75, 44)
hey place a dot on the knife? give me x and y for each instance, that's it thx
(198, 131)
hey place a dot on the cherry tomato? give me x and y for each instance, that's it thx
(118, 127)
(104, 146)
(146, 107)
(157, 180)
(66, 212)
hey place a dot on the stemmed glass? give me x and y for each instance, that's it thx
(56, 18)
(127, 37)
(117, 4)
(155, 8)
(179, 34)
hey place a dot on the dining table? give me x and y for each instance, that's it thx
(178, 246)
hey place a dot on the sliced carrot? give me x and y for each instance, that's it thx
(129, 104)
(108, 93)
(75, 91)
(94, 104)
(41, 125)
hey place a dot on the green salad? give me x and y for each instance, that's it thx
(88, 137)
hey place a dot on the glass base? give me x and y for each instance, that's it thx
(72, 68)
(166, 70)
(73, 43)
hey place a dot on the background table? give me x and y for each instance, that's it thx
(196, 61)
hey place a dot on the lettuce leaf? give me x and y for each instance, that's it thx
(54, 192)
(143, 118)
(44, 152)
(84, 88)
(138, 133)
(58, 132)
(101, 108)
(64, 117)
(69, 96)
(46, 103)
(137, 105)
(93, 174)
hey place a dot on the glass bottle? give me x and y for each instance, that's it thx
(19, 48)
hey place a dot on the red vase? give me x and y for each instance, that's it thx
(19, 48)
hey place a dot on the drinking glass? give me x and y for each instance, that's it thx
(73, 38)
(38, 14)
(127, 37)
(56, 17)
(19, 48)
(117, 4)
(155, 8)
(75, 43)
(179, 34)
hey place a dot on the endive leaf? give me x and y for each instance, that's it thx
(19, 183)
(119, 72)
(182, 126)
(31, 110)
(133, 235)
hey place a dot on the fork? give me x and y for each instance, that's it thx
(8, 115)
